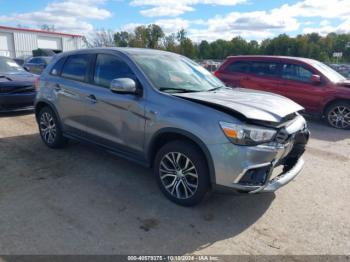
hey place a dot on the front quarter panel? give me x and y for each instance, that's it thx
(165, 112)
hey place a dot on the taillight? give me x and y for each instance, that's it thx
(37, 83)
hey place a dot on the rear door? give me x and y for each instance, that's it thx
(232, 74)
(262, 76)
(296, 84)
(69, 83)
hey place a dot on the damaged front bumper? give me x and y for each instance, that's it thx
(253, 169)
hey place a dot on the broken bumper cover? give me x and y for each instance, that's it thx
(253, 169)
(281, 180)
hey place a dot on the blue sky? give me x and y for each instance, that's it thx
(202, 19)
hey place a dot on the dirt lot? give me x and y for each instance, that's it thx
(81, 200)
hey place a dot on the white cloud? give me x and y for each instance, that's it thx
(317, 8)
(166, 10)
(176, 7)
(326, 28)
(67, 16)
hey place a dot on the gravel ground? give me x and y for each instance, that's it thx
(81, 200)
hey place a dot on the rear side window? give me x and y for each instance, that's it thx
(264, 68)
(56, 69)
(110, 67)
(76, 67)
(296, 72)
(238, 67)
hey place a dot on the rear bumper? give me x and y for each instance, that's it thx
(17, 102)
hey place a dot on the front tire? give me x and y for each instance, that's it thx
(50, 128)
(181, 172)
(338, 115)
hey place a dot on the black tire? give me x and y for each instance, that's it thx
(54, 138)
(184, 168)
(338, 115)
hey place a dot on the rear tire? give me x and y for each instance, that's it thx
(338, 115)
(181, 171)
(50, 128)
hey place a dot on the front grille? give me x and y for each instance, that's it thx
(282, 136)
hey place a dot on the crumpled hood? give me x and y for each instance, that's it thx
(252, 104)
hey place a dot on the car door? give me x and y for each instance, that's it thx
(114, 120)
(232, 74)
(262, 75)
(297, 85)
(69, 83)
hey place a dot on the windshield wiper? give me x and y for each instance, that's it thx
(216, 88)
(179, 90)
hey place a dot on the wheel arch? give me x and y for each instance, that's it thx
(41, 104)
(333, 101)
(166, 135)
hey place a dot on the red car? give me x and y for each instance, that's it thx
(318, 88)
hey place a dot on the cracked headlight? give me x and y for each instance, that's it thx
(242, 134)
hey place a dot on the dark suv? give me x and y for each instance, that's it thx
(163, 110)
(317, 87)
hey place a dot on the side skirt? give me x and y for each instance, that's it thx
(117, 151)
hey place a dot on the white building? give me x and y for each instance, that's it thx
(19, 42)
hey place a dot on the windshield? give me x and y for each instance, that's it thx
(330, 73)
(7, 65)
(175, 73)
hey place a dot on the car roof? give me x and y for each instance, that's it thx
(262, 57)
(124, 50)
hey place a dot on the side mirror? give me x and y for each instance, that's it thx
(316, 79)
(26, 68)
(123, 86)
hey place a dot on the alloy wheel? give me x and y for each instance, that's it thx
(48, 127)
(178, 175)
(339, 117)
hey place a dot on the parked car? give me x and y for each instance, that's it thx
(164, 111)
(37, 64)
(17, 90)
(317, 87)
(343, 69)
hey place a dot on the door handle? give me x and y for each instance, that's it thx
(57, 87)
(92, 98)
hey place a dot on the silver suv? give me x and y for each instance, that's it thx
(164, 111)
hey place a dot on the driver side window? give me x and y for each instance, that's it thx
(109, 67)
(296, 73)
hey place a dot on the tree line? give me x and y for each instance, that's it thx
(310, 45)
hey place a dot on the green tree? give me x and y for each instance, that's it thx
(204, 50)
(122, 39)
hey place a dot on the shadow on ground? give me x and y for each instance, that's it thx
(16, 113)
(81, 200)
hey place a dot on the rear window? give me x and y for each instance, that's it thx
(238, 67)
(264, 68)
(56, 69)
(76, 67)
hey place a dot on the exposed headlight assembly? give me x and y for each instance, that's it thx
(249, 135)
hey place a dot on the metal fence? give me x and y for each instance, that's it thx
(16, 54)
